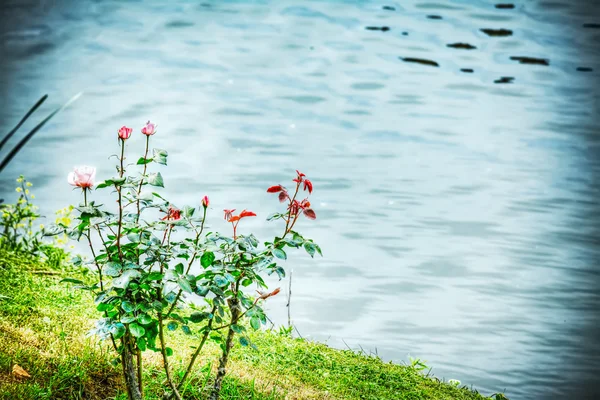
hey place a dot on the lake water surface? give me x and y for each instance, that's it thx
(458, 211)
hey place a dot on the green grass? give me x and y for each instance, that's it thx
(44, 326)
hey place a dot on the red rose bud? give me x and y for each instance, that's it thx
(205, 202)
(125, 132)
(275, 189)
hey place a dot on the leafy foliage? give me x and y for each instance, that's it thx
(154, 257)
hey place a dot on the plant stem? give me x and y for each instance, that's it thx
(289, 300)
(235, 316)
(120, 202)
(187, 271)
(198, 350)
(133, 389)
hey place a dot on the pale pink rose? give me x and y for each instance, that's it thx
(125, 132)
(149, 129)
(82, 177)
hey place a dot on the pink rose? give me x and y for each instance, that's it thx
(205, 202)
(125, 132)
(149, 129)
(82, 177)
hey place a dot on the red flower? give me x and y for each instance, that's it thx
(228, 214)
(173, 214)
(283, 196)
(275, 189)
(308, 185)
(205, 202)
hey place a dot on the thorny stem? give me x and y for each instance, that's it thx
(120, 202)
(187, 271)
(288, 228)
(198, 349)
(235, 316)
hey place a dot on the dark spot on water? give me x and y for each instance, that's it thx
(497, 32)
(584, 69)
(465, 46)
(467, 70)
(505, 6)
(179, 24)
(420, 61)
(205, 5)
(434, 16)
(592, 25)
(531, 60)
(405, 33)
(389, 8)
(505, 79)
(378, 28)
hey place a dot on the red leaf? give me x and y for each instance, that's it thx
(228, 214)
(247, 214)
(300, 174)
(283, 196)
(233, 219)
(309, 213)
(308, 184)
(275, 189)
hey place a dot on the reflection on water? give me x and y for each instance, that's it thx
(459, 217)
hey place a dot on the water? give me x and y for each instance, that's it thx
(458, 216)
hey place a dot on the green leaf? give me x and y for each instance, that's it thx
(196, 317)
(117, 330)
(156, 179)
(244, 341)
(169, 351)
(123, 281)
(155, 276)
(71, 280)
(237, 328)
(141, 343)
(179, 268)
(145, 319)
(184, 284)
(172, 325)
(310, 248)
(127, 306)
(143, 161)
(104, 307)
(207, 259)
(126, 319)
(188, 211)
(160, 156)
(186, 329)
(221, 280)
(274, 216)
(318, 249)
(279, 254)
(111, 269)
(255, 323)
(137, 330)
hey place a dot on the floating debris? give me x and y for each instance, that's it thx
(497, 32)
(505, 6)
(505, 79)
(389, 8)
(592, 25)
(584, 69)
(467, 70)
(465, 46)
(405, 33)
(419, 61)
(378, 28)
(531, 60)
(434, 16)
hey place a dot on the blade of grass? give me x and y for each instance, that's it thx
(23, 141)
(31, 111)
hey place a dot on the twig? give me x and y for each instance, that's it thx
(289, 299)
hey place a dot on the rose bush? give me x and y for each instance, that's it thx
(151, 256)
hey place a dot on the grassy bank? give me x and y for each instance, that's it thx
(44, 326)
